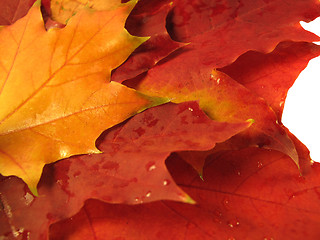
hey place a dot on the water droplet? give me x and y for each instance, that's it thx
(153, 167)
(233, 223)
(281, 103)
(190, 109)
(166, 182)
(138, 200)
(218, 80)
(239, 173)
(150, 166)
(148, 194)
(76, 174)
(28, 198)
(260, 164)
(64, 152)
(211, 76)
(226, 203)
(291, 196)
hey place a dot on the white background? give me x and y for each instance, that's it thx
(301, 110)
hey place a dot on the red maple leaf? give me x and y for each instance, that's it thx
(247, 194)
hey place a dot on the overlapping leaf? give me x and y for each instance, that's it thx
(222, 98)
(12, 10)
(60, 108)
(248, 194)
(222, 31)
(131, 170)
(189, 73)
(148, 18)
(269, 76)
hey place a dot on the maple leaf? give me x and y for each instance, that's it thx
(249, 194)
(147, 19)
(222, 31)
(189, 73)
(269, 76)
(12, 10)
(222, 98)
(130, 170)
(59, 109)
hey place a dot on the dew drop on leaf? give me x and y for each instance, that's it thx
(28, 198)
(148, 194)
(226, 203)
(150, 166)
(233, 223)
(166, 182)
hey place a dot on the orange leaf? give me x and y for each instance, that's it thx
(55, 99)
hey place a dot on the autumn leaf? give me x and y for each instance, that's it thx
(271, 75)
(148, 18)
(12, 10)
(190, 73)
(234, 60)
(222, 98)
(249, 194)
(222, 31)
(130, 170)
(59, 109)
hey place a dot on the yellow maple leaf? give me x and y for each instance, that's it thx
(55, 94)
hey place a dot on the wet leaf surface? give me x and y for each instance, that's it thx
(226, 64)
(247, 194)
(271, 75)
(34, 118)
(130, 170)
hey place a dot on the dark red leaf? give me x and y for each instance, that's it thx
(150, 22)
(271, 75)
(247, 194)
(12, 10)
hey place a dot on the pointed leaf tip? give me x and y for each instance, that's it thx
(45, 122)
